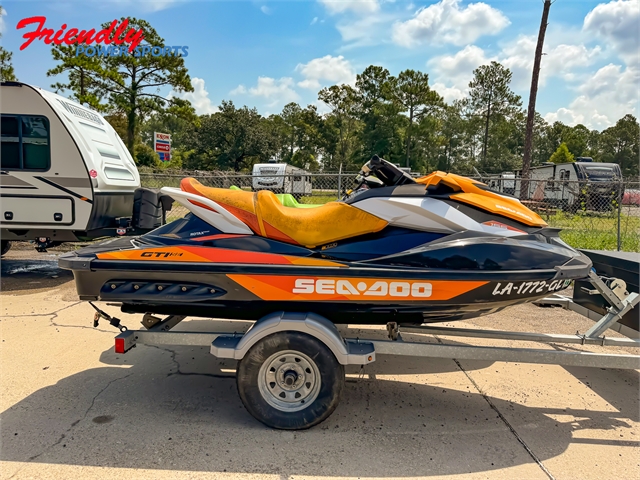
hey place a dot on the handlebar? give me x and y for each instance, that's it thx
(386, 172)
(377, 173)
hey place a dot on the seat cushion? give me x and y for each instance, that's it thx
(267, 217)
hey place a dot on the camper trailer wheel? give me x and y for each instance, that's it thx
(6, 246)
(290, 380)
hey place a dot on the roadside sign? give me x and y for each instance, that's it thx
(162, 145)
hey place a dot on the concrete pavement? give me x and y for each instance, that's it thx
(71, 408)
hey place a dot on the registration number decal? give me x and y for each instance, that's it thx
(522, 288)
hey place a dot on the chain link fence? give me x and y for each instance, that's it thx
(599, 215)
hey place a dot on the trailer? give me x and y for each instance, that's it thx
(290, 371)
(503, 183)
(281, 178)
(65, 174)
(582, 184)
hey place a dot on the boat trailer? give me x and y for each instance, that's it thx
(291, 364)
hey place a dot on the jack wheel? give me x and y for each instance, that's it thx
(290, 381)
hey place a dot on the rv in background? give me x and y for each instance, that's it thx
(281, 178)
(504, 183)
(65, 174)
(583, 184)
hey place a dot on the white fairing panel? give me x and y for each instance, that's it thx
(427, 214)
(215, 215)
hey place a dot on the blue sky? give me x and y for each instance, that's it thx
(267, 53)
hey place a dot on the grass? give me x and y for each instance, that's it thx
(318, 199)
(597, 231)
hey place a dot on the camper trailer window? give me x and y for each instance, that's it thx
(25, 142)
(35, 143)
(10, 154)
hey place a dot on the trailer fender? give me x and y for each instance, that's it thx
(351, 352)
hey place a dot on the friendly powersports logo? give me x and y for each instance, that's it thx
(116, 40)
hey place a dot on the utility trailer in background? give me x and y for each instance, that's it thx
(290, 370)
(281, 178)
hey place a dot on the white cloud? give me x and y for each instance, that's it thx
(275, 92)
(604, 98)
(335, 70)
(558, 61)
(366, 30)
(618, 24)
(454, 72)
(264, 9)
(314, 21)
(449, 94)
(2, 24)
(357, 6)
(448, 22)
(199, 98)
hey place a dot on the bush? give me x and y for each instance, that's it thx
(145, 156)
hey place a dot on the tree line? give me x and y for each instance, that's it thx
(400, 118)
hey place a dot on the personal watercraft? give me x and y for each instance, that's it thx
(394, 249)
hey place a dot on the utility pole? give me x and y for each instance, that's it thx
(531, 112)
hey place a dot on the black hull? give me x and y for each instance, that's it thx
(157, 288)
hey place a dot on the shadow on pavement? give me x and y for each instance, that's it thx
(28, 274)
(178, 409)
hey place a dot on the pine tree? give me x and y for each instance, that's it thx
(562, 155)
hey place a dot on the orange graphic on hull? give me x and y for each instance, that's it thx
(214, 255)
(307, 288)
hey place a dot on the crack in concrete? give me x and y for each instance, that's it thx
(54, 315)
(64, 435)
(178, 371)
(44, 314)
(502, 418)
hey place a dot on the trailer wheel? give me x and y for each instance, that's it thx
(290, 381)
(5, 247)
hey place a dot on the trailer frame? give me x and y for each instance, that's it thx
(363, 350)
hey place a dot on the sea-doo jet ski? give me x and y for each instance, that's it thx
(395, 249)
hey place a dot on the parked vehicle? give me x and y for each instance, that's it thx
(504, 183)
(65, 174)
(580, 185)
(281, 178)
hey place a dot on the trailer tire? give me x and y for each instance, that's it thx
(5, 247)
(290, 381)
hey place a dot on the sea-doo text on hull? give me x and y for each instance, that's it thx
(397, 249)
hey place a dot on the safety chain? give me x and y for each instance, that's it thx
(112, 320)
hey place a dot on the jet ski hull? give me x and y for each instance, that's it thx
(353, 294)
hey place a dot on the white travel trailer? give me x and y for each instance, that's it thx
(580, 184)
(65, 174)
(281, 178)
(503, 183)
